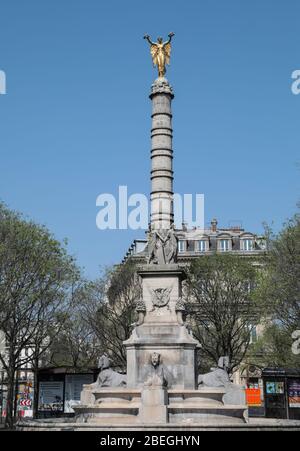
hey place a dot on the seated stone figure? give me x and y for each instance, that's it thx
(217, 377)
(107, 376)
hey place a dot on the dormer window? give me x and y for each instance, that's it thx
(202, 246)
(248, 244)
(224, 245)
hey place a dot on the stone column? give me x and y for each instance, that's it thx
(161, 155)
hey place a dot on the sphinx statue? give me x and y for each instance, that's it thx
(107, 376)
(219, 377)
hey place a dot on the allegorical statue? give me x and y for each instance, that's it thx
(162, 246)
(160, 52)
(171, 245)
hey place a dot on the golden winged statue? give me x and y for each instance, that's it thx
(160, 52)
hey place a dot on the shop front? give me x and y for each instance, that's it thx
(282, 393)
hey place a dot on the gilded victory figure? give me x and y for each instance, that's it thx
(160, 52)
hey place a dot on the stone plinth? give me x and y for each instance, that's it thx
(162, 331)
(153, 409)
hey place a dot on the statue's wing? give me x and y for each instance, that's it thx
(154, 51)
(167, 49)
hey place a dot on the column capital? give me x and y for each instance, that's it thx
(161, 86)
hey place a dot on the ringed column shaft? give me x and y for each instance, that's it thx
(161, 155)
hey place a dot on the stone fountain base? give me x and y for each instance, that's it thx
(161, 376)
(144, 406)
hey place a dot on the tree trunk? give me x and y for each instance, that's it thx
(16, 395)
(9, 419)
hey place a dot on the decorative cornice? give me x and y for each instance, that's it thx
(161, 86)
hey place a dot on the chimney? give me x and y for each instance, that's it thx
(214, 224)
(184, 226)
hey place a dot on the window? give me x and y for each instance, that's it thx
(248, 244)
(181, 246)
(201, 245)
(224, 245)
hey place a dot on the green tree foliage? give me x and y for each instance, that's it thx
(222, 310)
(274, 349)
(35, 279)
(109, 309)
(76, 345)
(280, 286)
(279, 294)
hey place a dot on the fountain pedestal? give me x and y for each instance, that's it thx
(161, 376)
(163, 330)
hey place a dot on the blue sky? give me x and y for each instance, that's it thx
(75, 121)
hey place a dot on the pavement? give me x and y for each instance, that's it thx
(273, 422)
(254, 424)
